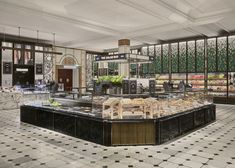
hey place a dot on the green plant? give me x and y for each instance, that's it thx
(114, 80)
(54, 103)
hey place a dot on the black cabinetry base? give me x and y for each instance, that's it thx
(119, 132)
(224, 100)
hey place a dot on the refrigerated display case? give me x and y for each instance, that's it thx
(115, 121)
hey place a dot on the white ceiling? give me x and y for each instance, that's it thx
(98, 24)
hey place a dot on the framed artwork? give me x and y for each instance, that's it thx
(18, 58)
(39, 69)
(28, 59)
(7, 68)
(61, 87)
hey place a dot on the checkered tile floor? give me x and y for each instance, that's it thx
(24, 145)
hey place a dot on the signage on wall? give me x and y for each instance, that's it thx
(152, 86)
(133, 86)
(125, 86)
(39, 69)
(124, 56)
(7, 68)
(22, 69)
(110, 57)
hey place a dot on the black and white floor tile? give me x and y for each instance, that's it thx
(27, 146)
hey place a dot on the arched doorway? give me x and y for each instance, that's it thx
(67, 73)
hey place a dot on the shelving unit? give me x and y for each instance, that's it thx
(217, 84)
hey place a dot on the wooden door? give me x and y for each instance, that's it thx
(65, 76)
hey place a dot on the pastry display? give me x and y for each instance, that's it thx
(124, 108)
(110, 108)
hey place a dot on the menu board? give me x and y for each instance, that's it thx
(133, 86)
(125, 86)
(152, 86)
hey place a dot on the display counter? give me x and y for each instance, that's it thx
(136, 127)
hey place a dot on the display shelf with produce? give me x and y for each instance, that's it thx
(197, 81)
(160, 79)
(176, 78)
(217, 84)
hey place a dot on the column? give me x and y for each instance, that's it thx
(124, 47)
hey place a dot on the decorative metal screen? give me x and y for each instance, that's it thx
(144, 68)
(133, 69)
(165, 58)
(200, 56)
(174, 58)
(191, 56)
(231, 54)
(211, 54)
(151, 65)
(158, 59)
(151, 51)
(222, 54)
(89, 61)
(182, 57)
(144, 50)
(48, 65)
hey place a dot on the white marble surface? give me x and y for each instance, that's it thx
(10, 100)
(28, 146)
(13, 100)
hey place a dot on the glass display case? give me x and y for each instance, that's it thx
(111, 120)
(126, 108)
(112, 107)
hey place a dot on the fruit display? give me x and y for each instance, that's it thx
(197, 81)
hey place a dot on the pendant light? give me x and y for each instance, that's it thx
(37, 37)
(40, 51)
(52, 55)
(19, 33)
(4, 37)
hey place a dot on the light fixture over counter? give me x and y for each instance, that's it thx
(40, 51)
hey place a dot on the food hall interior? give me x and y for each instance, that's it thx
(145, 84)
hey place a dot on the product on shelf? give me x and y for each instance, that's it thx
(122, 108)
(110, 108)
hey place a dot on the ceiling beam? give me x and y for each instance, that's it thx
(222, 27)
(192, 6)
(195, 32)
(142, 9)
(208, 19)
(81, 23)
(173, 10)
